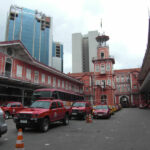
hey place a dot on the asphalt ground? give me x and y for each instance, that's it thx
(128, 129)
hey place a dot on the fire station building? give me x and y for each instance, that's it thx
(108, 86)
(20, 74)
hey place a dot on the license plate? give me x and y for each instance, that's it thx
(74, 113)
(100, 114)
(23, 121)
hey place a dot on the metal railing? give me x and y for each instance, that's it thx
(99, 58)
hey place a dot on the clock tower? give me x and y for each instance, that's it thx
(103, 73)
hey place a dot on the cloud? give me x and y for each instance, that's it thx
(126, 22)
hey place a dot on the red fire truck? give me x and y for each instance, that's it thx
(41, 114)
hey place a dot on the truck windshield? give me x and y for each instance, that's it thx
(41, 94)
(78, 104)
(41, 104)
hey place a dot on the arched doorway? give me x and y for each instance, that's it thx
(124, 101)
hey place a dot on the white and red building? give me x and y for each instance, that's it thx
(20, 74)
(108, 86)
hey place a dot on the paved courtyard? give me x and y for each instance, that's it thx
(128, 129)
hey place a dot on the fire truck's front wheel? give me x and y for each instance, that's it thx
(7, 115)
(66, 120)
(45, 125)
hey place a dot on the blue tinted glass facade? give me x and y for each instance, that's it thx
(10, 30)
(27, 30)
(37, 39)
(17, 27)
(47, 31)
(26, 26)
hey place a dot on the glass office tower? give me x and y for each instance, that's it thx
(33, 28)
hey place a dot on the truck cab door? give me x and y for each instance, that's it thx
(13, 108)
(18, 107)
(60, 110)
(53, 112)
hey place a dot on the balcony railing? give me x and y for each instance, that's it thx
(99, 58)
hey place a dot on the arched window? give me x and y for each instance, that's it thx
(103, 99)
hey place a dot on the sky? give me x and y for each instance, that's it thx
(124, 21)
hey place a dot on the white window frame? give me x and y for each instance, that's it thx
(98, 82)
(102, 68)
(117, 79)
(108, 67)
(54, 81)
(66, 87)
(36, 76)
(28, 74)
(109, 82)
(62, 84)
(97, 69)
(43, 78)
(103, 83)
(19, 71)
(49, 79)
(59, 83)
(122, 78)
(70, 86)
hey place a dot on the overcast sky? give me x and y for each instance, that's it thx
(125, 21)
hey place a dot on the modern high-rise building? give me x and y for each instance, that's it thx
(33, 29)
(57, 56)
(84, 48)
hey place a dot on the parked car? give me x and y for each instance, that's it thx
(3, 125)
(11, 108)
(101, 111)
(93, 108)
(111, 109)
(41, 114)
(81, 109)
(114, 108)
